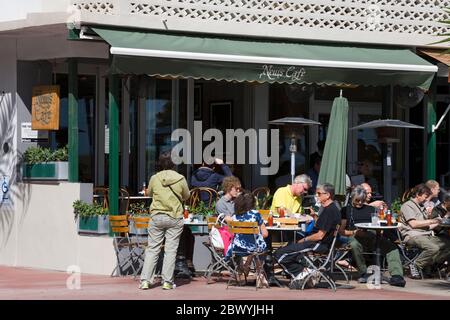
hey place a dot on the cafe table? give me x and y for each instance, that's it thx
(378, 229)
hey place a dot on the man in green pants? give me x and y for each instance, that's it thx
(364, 240)
(417, 231)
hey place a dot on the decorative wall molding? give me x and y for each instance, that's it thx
(399, 22)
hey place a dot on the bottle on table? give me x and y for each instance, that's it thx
(186, 212)
(382, 214)
(281, 212)
(270, 219)
(389, 218)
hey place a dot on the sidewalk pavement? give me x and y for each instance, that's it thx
(25, 284)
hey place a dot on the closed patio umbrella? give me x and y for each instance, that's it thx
(333, 165)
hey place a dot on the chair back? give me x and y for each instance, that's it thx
(212, 221)
(244, 227)
(333, 243)
(407, 194)
(119, 224)
(100, 196)
(141, 222)
(196, 196)
(124, 200)
(261, 195)
(287, 222)
(264, 213)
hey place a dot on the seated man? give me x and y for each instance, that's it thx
(417, 232)
(290, 197)
(364, 240)
(291, 256)
(231, 187)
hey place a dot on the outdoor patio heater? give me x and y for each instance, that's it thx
(388, 139)
(293, 145)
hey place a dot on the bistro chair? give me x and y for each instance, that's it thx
(261, 195)
(322, 264)
(140, 241)
(264, 214)
(123, 245)
(218, 263)
(100, 196)
(256, 264)
(196, 196)
(408, 254)
(407, 194)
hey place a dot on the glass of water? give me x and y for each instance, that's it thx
(375, 219)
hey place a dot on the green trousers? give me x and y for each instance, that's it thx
(365, 242)
(435, 249)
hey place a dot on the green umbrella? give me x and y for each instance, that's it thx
(333, 165)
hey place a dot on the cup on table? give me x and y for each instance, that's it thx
(281, 212)
(375, 219)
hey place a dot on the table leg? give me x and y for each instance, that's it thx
(383, 279)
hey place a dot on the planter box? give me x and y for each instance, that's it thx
(46, 171)
(95, 224)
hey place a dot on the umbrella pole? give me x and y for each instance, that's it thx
(388, 174)
(292, 167)
(293, 150)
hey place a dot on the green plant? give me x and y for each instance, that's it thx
(83, 210)
(263, 202)
(396, 205)
(139, 208)
(202, 209)
(38, 154)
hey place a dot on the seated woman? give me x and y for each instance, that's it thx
(364, 240)
(244, 205)
(245, 244)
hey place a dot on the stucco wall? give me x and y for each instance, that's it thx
(44, 233)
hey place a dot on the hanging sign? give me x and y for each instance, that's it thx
(5, 191)
(45, 108)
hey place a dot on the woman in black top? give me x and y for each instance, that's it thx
(364, 240)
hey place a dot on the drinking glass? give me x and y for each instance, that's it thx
(375, 219)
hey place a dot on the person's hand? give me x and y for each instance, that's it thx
(218, 161)
(378, 204)
(143, 191)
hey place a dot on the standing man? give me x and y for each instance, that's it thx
(291, 256)
(290, 197)
(417, 232)
(168, 190)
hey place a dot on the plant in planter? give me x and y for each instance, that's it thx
(91, 218)
(45, 164)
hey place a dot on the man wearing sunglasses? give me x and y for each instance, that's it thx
(290, 197)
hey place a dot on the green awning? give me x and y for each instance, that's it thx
(237, 59)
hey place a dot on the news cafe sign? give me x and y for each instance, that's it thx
(45, 108)
(282, 73)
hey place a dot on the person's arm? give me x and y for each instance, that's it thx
(315, 237)
(377, 204)
(343, 232)
(149, 190)
(264, 231)
(415, 224)
(226, 170)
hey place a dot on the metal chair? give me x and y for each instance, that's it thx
(261, 195)
(322, 263)
(218, 263)
(255, 263)
(122, 244)
(140, 242)
(408, 254)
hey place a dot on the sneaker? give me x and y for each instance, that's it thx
(302, 275)
(397, 281)
(363, 278)
(414, 270)
(144, 285)
(168, 285)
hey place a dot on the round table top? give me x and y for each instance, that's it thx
(279, 228)
(188, 222)
(374, 226)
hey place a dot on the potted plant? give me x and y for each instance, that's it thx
(200, 212)
(91, 218)
(45, 164)
(138, 209)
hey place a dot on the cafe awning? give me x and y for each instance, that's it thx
(255, 60)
